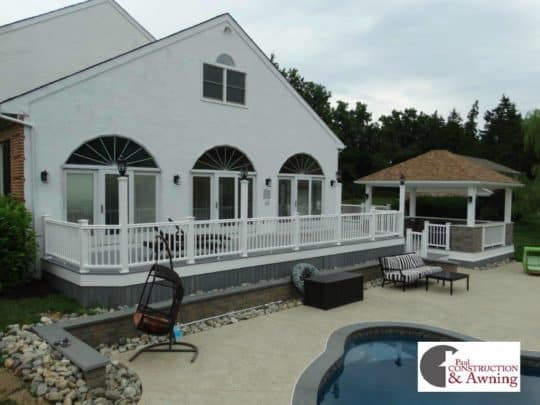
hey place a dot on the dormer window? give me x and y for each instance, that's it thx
(223, 84)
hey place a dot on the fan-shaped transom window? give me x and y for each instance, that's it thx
(225, 59)
(224, 158)
(107, 150)
(301, 163)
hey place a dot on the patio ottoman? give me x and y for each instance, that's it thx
(328, 291)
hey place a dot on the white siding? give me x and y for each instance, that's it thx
(40, 50)
(156, 101)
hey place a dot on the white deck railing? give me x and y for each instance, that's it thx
(493, 235)
(438, 235)
(93, 247)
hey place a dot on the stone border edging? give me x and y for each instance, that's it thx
(307, 387)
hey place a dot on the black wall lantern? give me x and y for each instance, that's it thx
(470, 199)
(268, 182)
(44, 176)
(332, 183)
(402, 179)
(122, 166)
(176, 179)
(243, 173)
(366, 196)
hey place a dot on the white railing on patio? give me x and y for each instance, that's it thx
(362, 208)
(416, 242)
(438, 235)
(493, 235)
(93, 247)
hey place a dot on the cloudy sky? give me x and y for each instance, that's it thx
(390, 54)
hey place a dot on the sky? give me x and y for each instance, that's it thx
(433, 55)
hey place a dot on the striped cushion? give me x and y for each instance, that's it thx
(408, 275)
(410, 261)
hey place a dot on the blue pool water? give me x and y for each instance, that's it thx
(371, 375)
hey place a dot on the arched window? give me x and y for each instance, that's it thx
(216, 191)
(91, 185)
(300, 187)
(301, 163)
(224, 158)
(106, 150)
(225, 59)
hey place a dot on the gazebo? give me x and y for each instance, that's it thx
(466, 240)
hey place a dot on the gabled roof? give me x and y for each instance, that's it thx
(70, 9)
(439, 166)
(164, 42)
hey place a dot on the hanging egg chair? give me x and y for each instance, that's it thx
(159, 320)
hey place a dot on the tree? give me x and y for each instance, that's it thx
(502, 136)
(531, 132)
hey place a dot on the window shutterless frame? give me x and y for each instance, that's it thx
(224, 101)
(302, 194)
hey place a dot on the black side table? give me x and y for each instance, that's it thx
(447, 276)
(327, 291)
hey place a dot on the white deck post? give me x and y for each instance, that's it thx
(424, 245)
(372, 224)
(369, 199)
(508, 205)
(401, 225)
(244, 183)
(408, 240)
(426, 230)
(190, 240)
(296, 234)
(412, 202)
(471, 206)
(448, 227)
(339, 217)
(83, 243)
(123, 222)
(45, 236)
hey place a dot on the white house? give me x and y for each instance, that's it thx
(188, 114)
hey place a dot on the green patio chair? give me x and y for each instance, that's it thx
(531, 259)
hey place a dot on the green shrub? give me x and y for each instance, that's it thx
(17, 243)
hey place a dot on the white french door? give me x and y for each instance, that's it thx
(93, 195)
(216, 195)
(302, 194)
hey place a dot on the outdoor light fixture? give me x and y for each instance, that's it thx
(332, 183)
(44, 176)
(470, 199)
(122, 166)
(176, 179)
(366, 196)
(243, 173)
(268, 182)
(402, 179)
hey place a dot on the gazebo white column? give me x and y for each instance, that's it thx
(471, 206)
(402, 198)
(508, 205)
(412, 202)
(369, 197)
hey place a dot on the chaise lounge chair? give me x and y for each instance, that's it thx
(406, 268)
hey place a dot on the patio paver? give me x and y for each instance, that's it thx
(258, 361)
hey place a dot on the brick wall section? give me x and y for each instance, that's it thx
(15, 134)
(509, 237)
(466, 239)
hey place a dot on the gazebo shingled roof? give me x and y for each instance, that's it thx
(439, 166)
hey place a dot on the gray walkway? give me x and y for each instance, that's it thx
(258, 361)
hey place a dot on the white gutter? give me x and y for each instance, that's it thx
(15, 120)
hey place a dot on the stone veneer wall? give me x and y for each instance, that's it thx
(509, 236)
(466, 239)
(15, 135)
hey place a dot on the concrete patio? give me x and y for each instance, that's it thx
(258, 361)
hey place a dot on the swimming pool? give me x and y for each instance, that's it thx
(377, 364)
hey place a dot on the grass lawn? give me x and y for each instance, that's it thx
(27, 307)
(526, 233)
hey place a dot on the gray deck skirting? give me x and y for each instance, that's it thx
(111, 296)
(316, 374)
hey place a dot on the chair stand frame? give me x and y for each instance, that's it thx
(157, 347)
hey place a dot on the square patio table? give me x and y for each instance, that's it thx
(450, 276)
